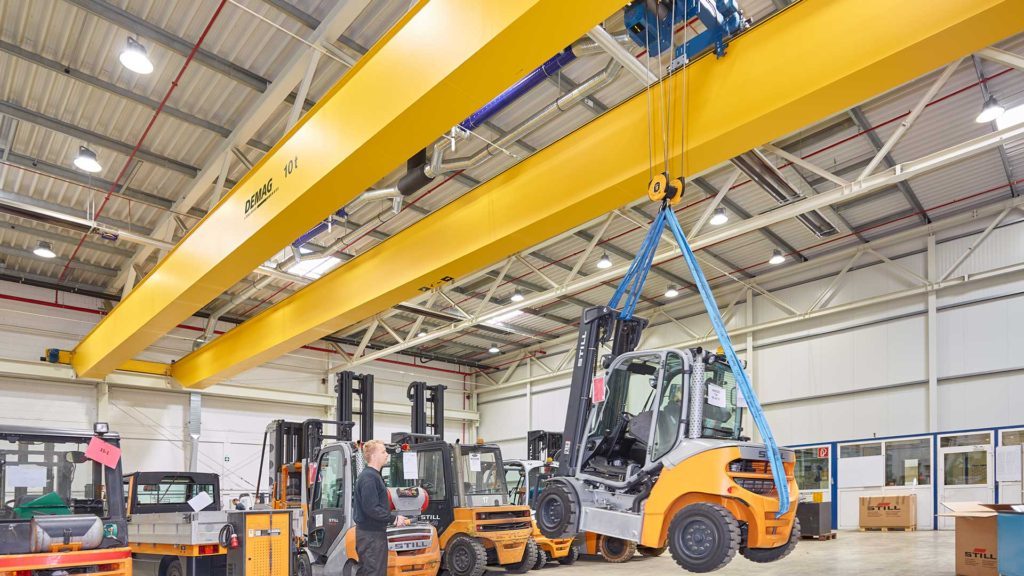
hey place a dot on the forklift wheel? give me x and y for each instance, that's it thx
(465, 556)
(703, 537)
(528, 561)
(557, 511)
(651, 552)
(302, 565)
(172, 568)
(542, 559)
(572, 557)
(616, 550)
(762, 555)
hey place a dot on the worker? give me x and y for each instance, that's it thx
(372, 512)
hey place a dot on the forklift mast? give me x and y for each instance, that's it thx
(598, 325)
(417, 394)
(542, 444)
(346, 390)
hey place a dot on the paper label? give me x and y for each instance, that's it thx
(25, 476)
(741, 401)
(716, 395)
(319, 520)
(474, 462)
(410, 466)
(200, 501)
(103, 452)
(597, 393)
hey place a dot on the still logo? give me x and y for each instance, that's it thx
(980, 554)
(882, 506)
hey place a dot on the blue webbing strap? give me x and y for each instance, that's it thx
(778, 472)
(634, 281)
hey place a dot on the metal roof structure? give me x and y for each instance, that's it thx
(61, 86)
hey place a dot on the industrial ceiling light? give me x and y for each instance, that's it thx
(719, 217)
(990, 111)
(672, 292)
(604, 262)
(517, 296)
(777, 257)
(86, 160)
(134, 57)
(494, 349)
(421, 333)
(44, 250)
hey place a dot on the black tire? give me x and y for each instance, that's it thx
(465, 556)
(542, 559)
(651, 552)
(616, 550)
(703, 537)
(557, 511)
(303, 567)
(171, 567)
(528, 561)
(570, 558)
(764, 555)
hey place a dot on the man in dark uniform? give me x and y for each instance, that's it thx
(372, 512)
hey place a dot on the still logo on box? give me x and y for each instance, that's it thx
(980, 553)
(883, 506)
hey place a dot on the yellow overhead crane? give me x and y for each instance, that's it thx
(815, 59)
(441, 61)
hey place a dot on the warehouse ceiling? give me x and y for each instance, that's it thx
(62, 87)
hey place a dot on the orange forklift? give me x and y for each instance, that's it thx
(63, 511)
(466, 497)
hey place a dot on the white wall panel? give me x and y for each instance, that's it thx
(980, 402)
(981, 337)
(34, 403)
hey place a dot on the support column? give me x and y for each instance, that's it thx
(933, 345)
(195, 427)
(748, 354)
(103, 402)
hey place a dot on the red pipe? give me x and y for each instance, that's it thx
(145, 133)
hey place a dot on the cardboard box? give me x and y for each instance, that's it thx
(888, 511)
(977, 544)
(1010, 538)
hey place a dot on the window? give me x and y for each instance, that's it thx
(629, 388)
(811, 471)
(722, 414)
(516, 482)
(171, 490)
(1013, 437)
(908, 462)
(975, 439)
(332, 480)
(482, 473)
(429, 472)
(858, 450)
(669, 414)
(538, 479)
(966, 468)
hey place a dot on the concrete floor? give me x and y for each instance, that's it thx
(925, 553)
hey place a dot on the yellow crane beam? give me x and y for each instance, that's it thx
(815, 59)
(442, 61)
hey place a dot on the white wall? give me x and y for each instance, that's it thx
(154, 423)
(853, 374)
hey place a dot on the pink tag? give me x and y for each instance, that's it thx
(597, 393)
(103, 452)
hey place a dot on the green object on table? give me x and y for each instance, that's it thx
(50, 504)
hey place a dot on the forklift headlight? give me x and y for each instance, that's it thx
(101, 428)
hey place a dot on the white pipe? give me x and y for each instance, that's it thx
(602, 38)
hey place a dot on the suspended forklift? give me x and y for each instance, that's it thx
(313, 467)
(653, 447)
(63, 507)
(466, 496)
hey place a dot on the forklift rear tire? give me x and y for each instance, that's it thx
(172, 568)
(651, 552)
(528, 561)
(465, 556)
(542, 559)
(302, 565)
(703, 537)
(570, 558)
(616, 550)
(763, 555)
(557, 511)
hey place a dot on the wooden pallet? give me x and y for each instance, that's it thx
(829, 536)
(890, 529)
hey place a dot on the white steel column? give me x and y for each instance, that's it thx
(749, 356)
(102, 402)
(933, 359)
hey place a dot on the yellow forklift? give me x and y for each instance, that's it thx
(313, 467)
(466, 496)
(63, 506)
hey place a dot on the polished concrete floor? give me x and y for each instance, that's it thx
(925, 553)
